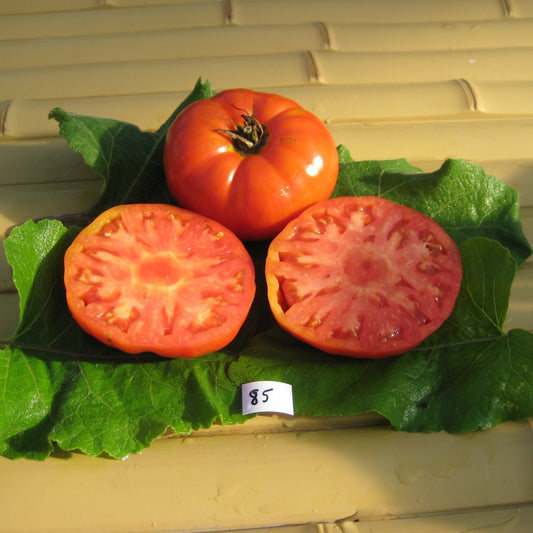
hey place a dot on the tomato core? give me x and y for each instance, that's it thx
(362, 268)
(161, 269)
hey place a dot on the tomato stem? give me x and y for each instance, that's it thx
(248, 138)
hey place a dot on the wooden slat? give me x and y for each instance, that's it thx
(508, 33)
(360, 11)
(23, 202)
(28, 119)
(391, 67)
(515, 519)
(272, 480)
(35, 161)
(141, 77)
(9, 7)
(520, 8)
(220, 41)
(48, 6)
(474, 140)
(144, 3)
(199, 14)
(501, 97)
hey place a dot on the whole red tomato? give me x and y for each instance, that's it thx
(250, 160)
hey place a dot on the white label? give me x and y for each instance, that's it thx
(267, 397)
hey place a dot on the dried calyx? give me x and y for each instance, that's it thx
(248, 138)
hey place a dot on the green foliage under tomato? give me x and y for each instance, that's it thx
(62, 388)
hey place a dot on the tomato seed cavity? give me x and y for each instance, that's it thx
(429, 268)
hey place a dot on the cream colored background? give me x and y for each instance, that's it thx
(391, 78)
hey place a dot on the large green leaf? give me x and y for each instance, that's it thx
(468, 375)
(60, 387)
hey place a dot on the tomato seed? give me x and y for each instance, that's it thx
(429, 268)
(314, 322)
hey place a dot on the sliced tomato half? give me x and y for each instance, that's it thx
(362, 277)
(157, 278)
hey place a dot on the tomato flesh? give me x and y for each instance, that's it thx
(254, 193)
(362, 277)
(157, 278)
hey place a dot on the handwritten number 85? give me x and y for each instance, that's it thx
(254, 395)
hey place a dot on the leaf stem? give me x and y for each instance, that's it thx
(74, 355)
(459, 343)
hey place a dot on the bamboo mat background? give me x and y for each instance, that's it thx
(407, 79)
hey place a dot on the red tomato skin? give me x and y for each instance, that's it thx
(253, 195)
(355, 291)
(155, 270)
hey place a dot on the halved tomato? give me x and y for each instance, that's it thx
(157, 278)
(362, 277)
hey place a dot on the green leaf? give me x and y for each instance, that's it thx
(129, 160)
(42, 242)
(344, 155)
(120, 407)
(60, 385)
(106, 406)
(481, 306)
(465, 200)
(465, 377)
